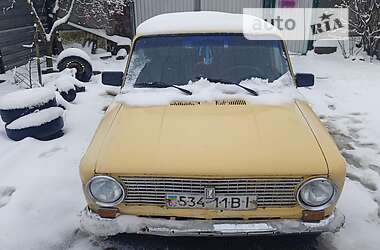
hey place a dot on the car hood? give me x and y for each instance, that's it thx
(211, 140)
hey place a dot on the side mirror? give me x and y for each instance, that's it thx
(112, 78)
(304, 80)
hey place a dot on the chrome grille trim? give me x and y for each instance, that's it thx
(270, 192)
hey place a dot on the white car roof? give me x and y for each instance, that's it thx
(205, 22)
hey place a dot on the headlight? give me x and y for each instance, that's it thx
(317, 194)
(105, 191)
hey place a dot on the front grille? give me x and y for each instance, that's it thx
(270, 192)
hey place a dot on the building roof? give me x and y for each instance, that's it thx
(206, 22)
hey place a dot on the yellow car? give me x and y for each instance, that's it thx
(207, 138)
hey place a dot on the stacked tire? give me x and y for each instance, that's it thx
(32, 113)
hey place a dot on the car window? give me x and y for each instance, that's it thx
(181, 58)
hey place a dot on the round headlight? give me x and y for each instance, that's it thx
(317, 194)
(105, 191)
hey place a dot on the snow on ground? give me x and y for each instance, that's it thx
(40, 190)
(346, 97)
(41, 194)
(43, 208)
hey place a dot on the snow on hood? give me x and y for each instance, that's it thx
(26, 98)
(279, 92)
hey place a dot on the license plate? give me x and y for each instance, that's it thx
(222, 202)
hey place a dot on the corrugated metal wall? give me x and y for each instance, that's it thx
(298, 46)
(234, 6)
(145, 9)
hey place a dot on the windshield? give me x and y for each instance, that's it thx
(182, 58)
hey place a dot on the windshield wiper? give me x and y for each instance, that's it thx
(158, 85)
(253, 92)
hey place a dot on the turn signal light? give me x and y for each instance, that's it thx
(109, 213)
(313, 216)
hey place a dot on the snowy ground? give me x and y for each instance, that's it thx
(346, 99)
(41, 195)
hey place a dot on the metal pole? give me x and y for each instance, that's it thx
(2, 67)
(197, 5)
(37, 46)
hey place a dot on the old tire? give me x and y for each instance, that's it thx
(49, 129)
(69, 96)
(45, 101)
(82, 66)
(79, 89)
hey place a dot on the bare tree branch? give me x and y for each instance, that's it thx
(11, 6)
(61, 21)
(365, 22)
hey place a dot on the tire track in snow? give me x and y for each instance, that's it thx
(6, 195)
(352, 146)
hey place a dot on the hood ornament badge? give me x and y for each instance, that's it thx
(210, 193)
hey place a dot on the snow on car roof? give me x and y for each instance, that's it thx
(205, 22)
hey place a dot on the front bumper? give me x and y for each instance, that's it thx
(98, 226)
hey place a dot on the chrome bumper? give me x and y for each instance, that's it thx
(94, 224)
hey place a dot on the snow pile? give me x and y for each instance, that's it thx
(37, 118)
(194, 22)
(63, 81)
(26, 98)
(62, 102)
(122, 53)
(73, 52)
(91, 222)
(279, 92)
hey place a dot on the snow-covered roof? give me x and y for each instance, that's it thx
(205, 22)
